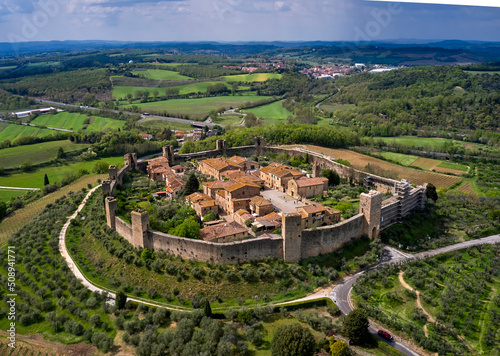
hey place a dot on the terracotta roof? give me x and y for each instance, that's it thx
(259, 201)
(268, 168)
(216, 163)
(214, 232)
(310, 182)
(239, 185)
(233, 174)
(175, 184)
(178, 166)
(313, 208)
(273, 217)
(241, 212)
(160, 161)
(196, 197)
(247, 178)
(237, 160)
(206, 203)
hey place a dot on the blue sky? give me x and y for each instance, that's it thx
(242, 20)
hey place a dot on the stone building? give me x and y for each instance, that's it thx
(224, 232)
(260, 206)
(236, 196)
(203, 204)
(214, 167)
(317, 215)
(276, 176)
(307, 187)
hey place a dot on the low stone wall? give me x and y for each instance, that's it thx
(327, 239)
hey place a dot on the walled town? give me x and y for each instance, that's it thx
(263, 211)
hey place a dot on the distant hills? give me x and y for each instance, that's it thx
(396, 52)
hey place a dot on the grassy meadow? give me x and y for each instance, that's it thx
(76, 122)
(199, 108)
(120, 92)
(37, 153)
(161, 74)
(34, 179)
(255, 77)
(270, 112)
(13, 222)
(12, 132)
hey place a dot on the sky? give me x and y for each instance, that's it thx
(244, 20)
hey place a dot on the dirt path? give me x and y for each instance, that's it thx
(419, 303)
(430, 318)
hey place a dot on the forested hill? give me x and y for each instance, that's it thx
(444, 97)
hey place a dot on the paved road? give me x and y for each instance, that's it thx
(165, 118)
(341, 293)
(18, 188)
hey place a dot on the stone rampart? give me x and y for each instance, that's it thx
(327, 239)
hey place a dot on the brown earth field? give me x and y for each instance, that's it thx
(387, 169)
(35, 345)
(467, 188)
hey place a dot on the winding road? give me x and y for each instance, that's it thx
(340, 294)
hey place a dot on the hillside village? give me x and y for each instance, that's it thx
(248, 199)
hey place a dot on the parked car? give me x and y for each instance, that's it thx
(385, 335)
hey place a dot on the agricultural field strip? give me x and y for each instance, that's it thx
(360, 161)
(75, 269)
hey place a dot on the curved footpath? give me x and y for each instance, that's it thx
(340, 294)
(78, 273)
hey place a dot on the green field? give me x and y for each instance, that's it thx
(405, 160)
(273, 111)
(330, 107)
(76, 122)
(456, 166)
(120, 92)
(228, 120)
(38, 153)
(199, 108)
(161, 74)
(430, 142)
(12, 132)
(162, 124)
(34, 179)
(255, 77)
(7, 194)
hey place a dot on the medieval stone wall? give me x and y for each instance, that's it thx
(327, 239)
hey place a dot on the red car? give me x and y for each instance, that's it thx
(385, 335)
